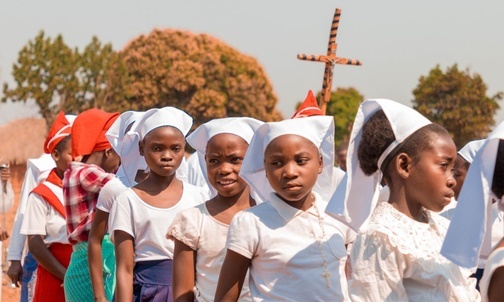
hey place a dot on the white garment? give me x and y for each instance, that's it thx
(397, 259)
(36, 171)
(195, 174)
(148, 224)
(43, 219)
(108, 193)
(495, 260)
(337, 177)
(197, 229)
(286, 258)
(6, 198)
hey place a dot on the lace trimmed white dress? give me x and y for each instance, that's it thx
(398, 259)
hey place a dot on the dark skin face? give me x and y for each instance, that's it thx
(163, 150)
(341, 157)
(224, 157)
(429, 181)
(111, 160)
(459, 172)
(62, 157)
(292, 165)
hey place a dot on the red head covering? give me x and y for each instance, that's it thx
(309, 107)
(88, 131)
(60, 129)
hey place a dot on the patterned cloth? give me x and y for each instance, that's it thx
(81, 185)
(77, 283)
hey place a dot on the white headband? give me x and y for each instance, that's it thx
(469, 233)
(243, 127)
(318, 129)
(356, 197)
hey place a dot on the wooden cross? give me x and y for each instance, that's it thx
(330, 59)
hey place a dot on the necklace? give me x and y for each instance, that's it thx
(326, 274)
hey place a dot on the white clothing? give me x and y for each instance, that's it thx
(36, 171)
(287, 260)
(495, 260)
(197, 229)
(109, 192)
(397, 259)
(148, 224)
(195, 174)
(6, 197)
(43, 219)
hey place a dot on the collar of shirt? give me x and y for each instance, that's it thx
(288, 212)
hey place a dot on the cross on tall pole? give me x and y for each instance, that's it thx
(330, 59)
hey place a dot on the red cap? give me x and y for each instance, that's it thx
(309, 107)
(60, 129)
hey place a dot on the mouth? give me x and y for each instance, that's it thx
(291, 187)
(226, 182)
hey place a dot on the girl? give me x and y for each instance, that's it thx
(140, 214)
(44, 222)
(200, 232)
(471, 232)
(396, 256)
(82, 183)
(293, 250)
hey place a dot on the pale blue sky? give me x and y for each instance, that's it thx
(398, 41)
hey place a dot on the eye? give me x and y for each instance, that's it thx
(156, 148)
(275, 163)
(302, 161)
(237, 160)
(212, 161)
(176, 148)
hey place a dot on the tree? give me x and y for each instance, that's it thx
(196, 73)
(457, 100)
(343, 106)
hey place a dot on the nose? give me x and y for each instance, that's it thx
(225, 168)
(451, 182)
(167, 156)
(290, 170)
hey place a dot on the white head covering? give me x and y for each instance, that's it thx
(468, 152)
(356, 196)
(127, 149)
(243, 127)
(152, 119)
(318, 129)
(469, 234)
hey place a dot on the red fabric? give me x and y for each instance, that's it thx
(81, 185)
(48, 195)
(309, 107)
(88, 131)
(60, 129)
(48, 287)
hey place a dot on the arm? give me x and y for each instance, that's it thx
(495, 288)
(183, 277)
(15, 272)
(44, 257)
(124, 266)
(98, 229)
(232, 276)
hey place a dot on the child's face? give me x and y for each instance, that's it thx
(459, 172)
(292, 165)
(63, 157)
(431, 181)
(112, 161)
(224, 157)
(163, 150)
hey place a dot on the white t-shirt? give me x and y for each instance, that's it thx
(494, 261)
(108, 193)
(148, 224)
(42, 219)
(397, 259)
(287, 261)
(196, 228)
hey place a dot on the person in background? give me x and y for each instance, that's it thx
(6, 202)
(341, 155)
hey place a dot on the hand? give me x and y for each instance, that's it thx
(3, 235)
(15, 272)
(101, 299)
(4, 174)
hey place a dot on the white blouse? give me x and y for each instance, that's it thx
(398, 259)
(197, 229)
(494, 261)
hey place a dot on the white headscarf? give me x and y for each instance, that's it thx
(318, 129)
(468, 152)
(357, 195)
(243, 127)
(469, 234)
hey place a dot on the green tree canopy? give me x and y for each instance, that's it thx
(196, 73)
(457, 100)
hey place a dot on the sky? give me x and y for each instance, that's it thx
(397, 41)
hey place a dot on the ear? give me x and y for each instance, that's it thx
(321, 164)
(141, 146)
(55, 155)
(402, 165)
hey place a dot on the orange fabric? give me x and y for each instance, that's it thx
(88, 131)
(60, 129)
(48, 287)
(309, 107)
(49, 195)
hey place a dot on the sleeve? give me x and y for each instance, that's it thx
(122, 219)
(35, 216)
(7, 197)
(377, 270)
(109, 193)
(93, 178)
(243, 235)
(185, 228)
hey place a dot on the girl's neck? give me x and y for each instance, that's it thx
(302, 204)
(60, 173)
(414, 211)
(156, 181)
(239, 201)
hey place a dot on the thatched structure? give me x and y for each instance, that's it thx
(22, 139)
